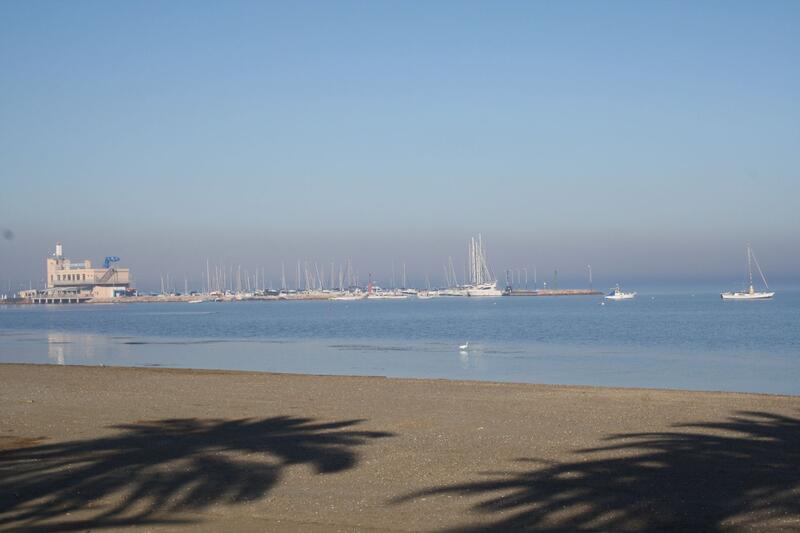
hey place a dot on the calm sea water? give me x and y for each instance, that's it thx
(680, 341)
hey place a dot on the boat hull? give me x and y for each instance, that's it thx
(619, 295)
(483, 290)
(747, 295)
(484, 293)
(427, 295)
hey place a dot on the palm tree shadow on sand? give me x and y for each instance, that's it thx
(742, 473)
(158, 472)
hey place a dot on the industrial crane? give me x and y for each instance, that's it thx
(109, 270)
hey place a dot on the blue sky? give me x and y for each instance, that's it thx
(648, 139)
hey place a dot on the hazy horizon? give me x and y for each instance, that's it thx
(651, 141)
(708, 268)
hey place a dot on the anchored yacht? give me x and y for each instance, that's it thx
(750, 293)
(481, 279)
(619, 294)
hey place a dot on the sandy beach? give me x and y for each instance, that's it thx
(160, 449)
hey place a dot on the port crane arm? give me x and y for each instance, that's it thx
(110, 271)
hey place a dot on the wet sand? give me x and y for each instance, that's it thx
(161, 449)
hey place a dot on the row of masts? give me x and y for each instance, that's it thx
(312, 276)
(479, 271)
(308, 276)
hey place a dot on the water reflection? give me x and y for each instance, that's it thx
(470, 359)
(68, 348)
(55, 347)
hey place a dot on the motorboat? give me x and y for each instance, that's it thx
(619, 294)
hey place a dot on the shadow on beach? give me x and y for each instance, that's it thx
(742, 473)
(158, 472)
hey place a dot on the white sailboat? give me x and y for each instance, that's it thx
(348, 297)
(427, 295)
(376, 293)
(619, 294)
(387, 296)
(379, 294)
(750, 293)
(481, 282)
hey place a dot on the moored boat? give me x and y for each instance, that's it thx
(380, 295)
(481, 280)
(619, 294)
(484, 289)
(347, 297)
(751, 293)
(427, 295)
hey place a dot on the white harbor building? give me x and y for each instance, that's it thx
(72, 282)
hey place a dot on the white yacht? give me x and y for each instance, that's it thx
(427, 295)
(481, 282)
(484, 289)
(750, 293)
(348, 297)
(378, 295)
(453, 291)
(619, 294)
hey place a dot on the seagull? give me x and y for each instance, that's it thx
(464, 347)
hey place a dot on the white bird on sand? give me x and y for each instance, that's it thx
(464, 347)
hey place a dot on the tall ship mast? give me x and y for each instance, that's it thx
(481, 280)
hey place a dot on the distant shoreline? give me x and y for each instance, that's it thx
(203, 298)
